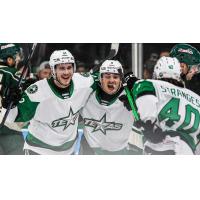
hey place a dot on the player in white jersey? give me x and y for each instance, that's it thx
(52, 106)
(107, 121)
(169, 113)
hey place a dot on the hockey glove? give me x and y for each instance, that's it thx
(151, 132)
(124, 100)
(130, 80)
(11, 95)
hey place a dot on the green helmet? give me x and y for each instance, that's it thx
(186, 53)
(9, 50)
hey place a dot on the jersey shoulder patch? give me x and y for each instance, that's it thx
(143, 87)
(39, 91)
(32, 89)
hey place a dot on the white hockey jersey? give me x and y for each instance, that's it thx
(53, 118)
(107, 127)
(173, 108)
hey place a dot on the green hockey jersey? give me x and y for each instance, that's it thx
(9, 76)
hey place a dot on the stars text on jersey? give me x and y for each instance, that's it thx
(102, 125)
(66, 121)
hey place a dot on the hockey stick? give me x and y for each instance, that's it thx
(130, 99)
(22, 76)
(113, 52)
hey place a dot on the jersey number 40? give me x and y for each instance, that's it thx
(170, 112)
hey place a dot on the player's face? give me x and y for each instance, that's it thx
(10, 62)
(184, 68)
(110, 83)
(13, 61)
(64, 73)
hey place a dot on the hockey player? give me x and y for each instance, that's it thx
(107, 122)
(189, 58)
(52, 106)
(11, 140)
(10, 56)
(169, 113)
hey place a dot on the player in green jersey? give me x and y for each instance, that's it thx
(11, 140)
(189, 58)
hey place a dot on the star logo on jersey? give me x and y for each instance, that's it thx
(32, 89)
(102, 125)
(66, 121)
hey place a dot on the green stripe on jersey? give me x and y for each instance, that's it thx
(33, 141)
(26, 109)
(143, 87)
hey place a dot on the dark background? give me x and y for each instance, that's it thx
(89, 52)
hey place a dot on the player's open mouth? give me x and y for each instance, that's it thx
(65, 78)
(111, 87)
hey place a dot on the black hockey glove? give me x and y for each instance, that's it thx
(11, 95)
(130, 79)
(124, 100)
(151, 132)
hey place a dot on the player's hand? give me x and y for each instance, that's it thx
(130, 79)
(12, 94)
(151, 132)
(124, 100)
